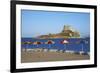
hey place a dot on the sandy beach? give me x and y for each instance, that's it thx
(41, 56)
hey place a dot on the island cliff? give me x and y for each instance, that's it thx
(67, 32)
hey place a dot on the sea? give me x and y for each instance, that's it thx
(75, 44)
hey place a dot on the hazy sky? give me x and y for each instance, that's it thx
(36, 23)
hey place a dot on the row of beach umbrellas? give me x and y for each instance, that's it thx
(49, 42)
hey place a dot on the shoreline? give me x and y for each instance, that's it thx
(49, 56)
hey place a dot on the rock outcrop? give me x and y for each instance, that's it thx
(67, 32)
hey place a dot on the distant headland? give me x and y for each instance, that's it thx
(67, 32)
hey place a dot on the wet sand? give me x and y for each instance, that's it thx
(32, 56)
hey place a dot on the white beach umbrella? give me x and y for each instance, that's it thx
(64, 42)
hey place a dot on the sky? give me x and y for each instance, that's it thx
(35, 22)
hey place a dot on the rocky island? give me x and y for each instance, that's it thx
(67, 32)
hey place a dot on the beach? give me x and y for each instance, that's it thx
(46, 56)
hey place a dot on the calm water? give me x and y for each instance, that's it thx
(75, 44)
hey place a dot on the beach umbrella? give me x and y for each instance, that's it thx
(82, 42)
(27, 43)
(86, 42)
(49, 42)
(64, 42)
(37, 43)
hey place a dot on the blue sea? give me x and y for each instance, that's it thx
(75, 44)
